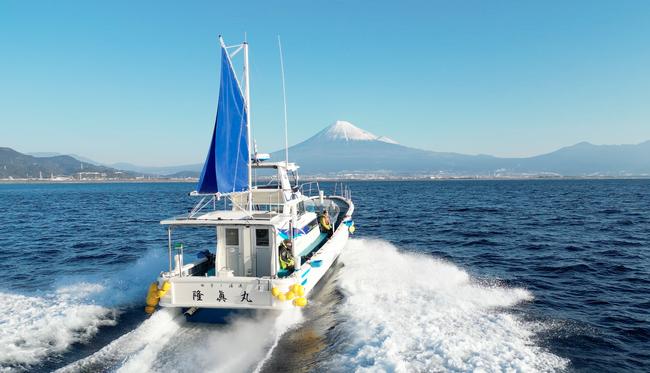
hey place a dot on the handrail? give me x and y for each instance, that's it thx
(302, 187)
(344, 191)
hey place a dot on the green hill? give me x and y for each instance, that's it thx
(21, 166)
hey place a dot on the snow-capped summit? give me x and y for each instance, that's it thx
(342, 130)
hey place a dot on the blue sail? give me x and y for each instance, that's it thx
(226, 167)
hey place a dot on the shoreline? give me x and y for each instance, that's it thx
(138, 181)
(125, 181)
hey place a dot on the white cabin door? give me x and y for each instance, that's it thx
(233, 250)
(262, 241)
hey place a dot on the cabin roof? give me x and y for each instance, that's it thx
(229, 217)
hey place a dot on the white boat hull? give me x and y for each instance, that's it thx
(239, 293)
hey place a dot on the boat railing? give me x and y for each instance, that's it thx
(312, 188)
(215, 201)
(344, 191)
(274, 203)
(271, 206)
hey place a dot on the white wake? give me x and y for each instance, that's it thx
(400, 312)
(412, 313)
(48, 322)
(31, 328)
(167, 343)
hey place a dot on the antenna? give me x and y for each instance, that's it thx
(284, 94)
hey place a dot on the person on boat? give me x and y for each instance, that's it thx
(325, 226)
(286, 258)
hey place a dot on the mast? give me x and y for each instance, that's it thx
(248, 126)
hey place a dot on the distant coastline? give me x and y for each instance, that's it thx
(161, 180)
(72, 181)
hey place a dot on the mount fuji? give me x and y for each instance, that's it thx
(344, 148)
(346, 131)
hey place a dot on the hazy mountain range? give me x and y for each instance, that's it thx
(343, 149)
(19, 166)
(128, 166)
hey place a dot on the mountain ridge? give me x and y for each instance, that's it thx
(14, 164)
(334, 151)
(343, 149)
(124, 166)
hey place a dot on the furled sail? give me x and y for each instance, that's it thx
(226, 167)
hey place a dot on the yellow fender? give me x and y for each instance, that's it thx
(295, 291)
(163, 290)
(152, 298)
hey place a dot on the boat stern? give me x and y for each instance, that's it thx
(230, 293)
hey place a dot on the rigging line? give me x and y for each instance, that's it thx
(243, 112)
(199, 207)
(243, 74)
(255, 85)
(234, 72)
(284, 94)
(241, 125)
(261, 87)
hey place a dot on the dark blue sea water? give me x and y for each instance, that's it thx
(533, 275)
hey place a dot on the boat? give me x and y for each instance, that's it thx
(253, 223)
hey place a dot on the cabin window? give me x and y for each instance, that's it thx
(301, 208)
(232, 237)
(262, 237)
(309, 206)
(312, 225)
(272, 208)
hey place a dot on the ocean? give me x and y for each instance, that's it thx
(440, 276)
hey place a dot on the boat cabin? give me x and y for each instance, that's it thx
(248, 228)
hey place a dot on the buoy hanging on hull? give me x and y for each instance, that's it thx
(295, 293)
(154, 294)
(152, 298)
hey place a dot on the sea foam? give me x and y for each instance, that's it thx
(47, 322)
(410, 312)
(167, 343)
(35, 327)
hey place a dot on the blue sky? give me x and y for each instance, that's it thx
(137, 82)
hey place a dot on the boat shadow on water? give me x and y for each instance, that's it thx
(305, 346)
